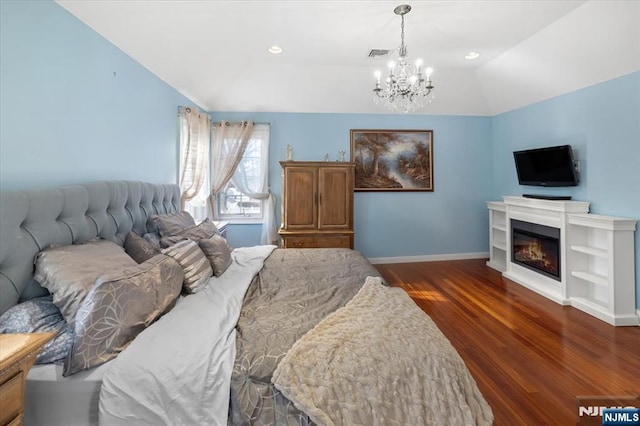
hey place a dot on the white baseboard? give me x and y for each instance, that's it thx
(429, 258)
(638, 314)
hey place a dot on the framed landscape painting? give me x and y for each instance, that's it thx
(393, 160)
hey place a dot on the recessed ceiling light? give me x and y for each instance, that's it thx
(275, 49)
(471, 55)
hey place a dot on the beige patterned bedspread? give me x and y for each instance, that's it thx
(294, 291)
(380, 360)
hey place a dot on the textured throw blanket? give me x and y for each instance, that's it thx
(380, 360)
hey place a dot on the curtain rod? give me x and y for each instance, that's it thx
(189, 109)
(217, 123)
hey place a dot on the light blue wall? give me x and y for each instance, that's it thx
(75, 108)
(602, 124)
(452, 219)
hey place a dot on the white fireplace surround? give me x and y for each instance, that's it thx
(548, 213)
(597, 264)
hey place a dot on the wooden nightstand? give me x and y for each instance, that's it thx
(18, 352)
(222, 228)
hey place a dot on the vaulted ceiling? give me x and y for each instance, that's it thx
(216, 52)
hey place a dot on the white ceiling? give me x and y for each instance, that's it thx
(215, 52)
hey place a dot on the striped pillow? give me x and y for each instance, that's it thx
(196, 266)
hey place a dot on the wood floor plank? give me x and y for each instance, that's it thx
(531, 357)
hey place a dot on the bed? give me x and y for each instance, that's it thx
(281, 337)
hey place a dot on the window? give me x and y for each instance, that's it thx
(208, 159)
(235, 202)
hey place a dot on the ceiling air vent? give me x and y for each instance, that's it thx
(378, 53)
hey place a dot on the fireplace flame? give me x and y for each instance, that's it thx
(535, 252)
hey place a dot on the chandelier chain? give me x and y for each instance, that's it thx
(403, 49)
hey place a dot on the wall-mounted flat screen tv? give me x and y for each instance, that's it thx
(551, 166)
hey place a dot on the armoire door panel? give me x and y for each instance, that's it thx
(300, 202)
(335, 195)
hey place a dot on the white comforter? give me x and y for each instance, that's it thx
(177, 372)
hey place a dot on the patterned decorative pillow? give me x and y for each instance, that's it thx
(40, 315)
(218, 252)
(205, 229)
(119, 307)
(195, 265)
(170, 223)
(69, 272)
(139, 248)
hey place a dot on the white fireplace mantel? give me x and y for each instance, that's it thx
(588, 267)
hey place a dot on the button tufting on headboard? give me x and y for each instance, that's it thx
(33, 220)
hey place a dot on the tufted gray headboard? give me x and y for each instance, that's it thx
(32, 220)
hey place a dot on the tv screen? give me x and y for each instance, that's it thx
(552, 166)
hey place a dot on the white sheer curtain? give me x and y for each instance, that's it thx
(251, 177)
(195, 138)
(229, 143)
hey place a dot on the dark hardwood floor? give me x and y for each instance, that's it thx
(531, 357)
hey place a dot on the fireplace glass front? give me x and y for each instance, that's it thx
(536, 247)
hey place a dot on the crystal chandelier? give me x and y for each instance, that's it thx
(406, 88)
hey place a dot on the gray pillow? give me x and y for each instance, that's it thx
(69, 272)
(170, 223)
(153, 238)
(195, 265)
(40, 315)
(218, 252)
(139, 248)
(119, 307)
(205, 229)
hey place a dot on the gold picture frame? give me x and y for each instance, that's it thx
(392, 160)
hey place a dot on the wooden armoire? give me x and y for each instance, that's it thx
(317, 204)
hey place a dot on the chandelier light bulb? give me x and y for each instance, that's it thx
(377, 75)
(429, 71)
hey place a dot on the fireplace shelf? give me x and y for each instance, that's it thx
(593, 251)
(602, 267)
(597, 256)
(591, 277)
(500, 246)
(497, 236)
